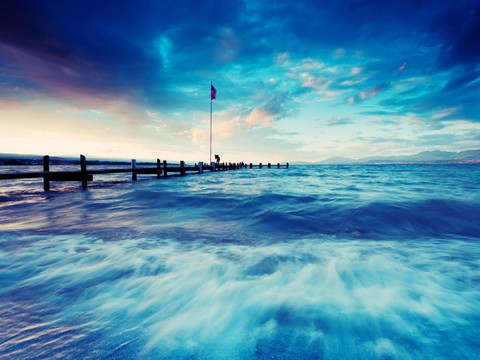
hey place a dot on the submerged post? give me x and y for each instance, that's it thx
(83, 170)
(134, 166)
(251, 165)
(200, 167)
(260, 165)
(46, 177)
(269, 166)
(159, 171)
(286, 165)
(278, 165)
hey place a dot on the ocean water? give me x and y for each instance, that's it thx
(311, 262)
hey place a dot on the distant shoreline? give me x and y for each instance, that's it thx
(427, 157)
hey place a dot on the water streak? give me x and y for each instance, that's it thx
(373, 262)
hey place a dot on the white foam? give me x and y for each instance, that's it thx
(333, 297)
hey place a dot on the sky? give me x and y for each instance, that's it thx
(299, 80)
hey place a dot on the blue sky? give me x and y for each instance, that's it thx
(295, 80)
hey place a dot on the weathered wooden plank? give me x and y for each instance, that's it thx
(68, 176)
(52, 176)
(30, 175)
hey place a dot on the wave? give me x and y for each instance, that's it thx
(271, 216)
(161, 299)
(314, 262)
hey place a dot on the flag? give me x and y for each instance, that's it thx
(213, 92)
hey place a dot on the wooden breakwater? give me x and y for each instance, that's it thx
(161, 170)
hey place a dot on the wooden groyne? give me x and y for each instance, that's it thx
(161, 170)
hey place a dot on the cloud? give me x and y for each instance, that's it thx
(271, 110)
(392, 59)
(114, 48)
(335, 121)
(458, 29)
(283, 59)
(463, 79)
(369, 93)
(260, 117)
(381, 140)
(445, 113)
(378, 113)
(229, 46)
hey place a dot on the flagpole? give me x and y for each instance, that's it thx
(211, 123)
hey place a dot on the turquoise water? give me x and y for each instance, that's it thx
(311, 262)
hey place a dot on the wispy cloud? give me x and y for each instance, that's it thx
(146, 66)
(335, 121)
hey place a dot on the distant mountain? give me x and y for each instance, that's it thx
(435, 156)
(469, 155)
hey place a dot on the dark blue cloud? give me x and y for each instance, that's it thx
(111, 45)
(463, 80)
(458, 30)
(150, 49)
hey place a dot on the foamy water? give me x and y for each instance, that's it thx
(319, 262)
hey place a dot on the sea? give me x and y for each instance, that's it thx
(309, 262)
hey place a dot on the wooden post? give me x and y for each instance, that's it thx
(212, 166)
(83, 170)
(182, 168)
(278, 165)
(260, 165)
(46, 177)
(269, 165)
(200, 167)
(134, 166)
(159, 172)
(251, 165)
(165, 168)
(286, 165)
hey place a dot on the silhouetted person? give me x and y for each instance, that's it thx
(217, 159)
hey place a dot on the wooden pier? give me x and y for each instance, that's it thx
(161, 170)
